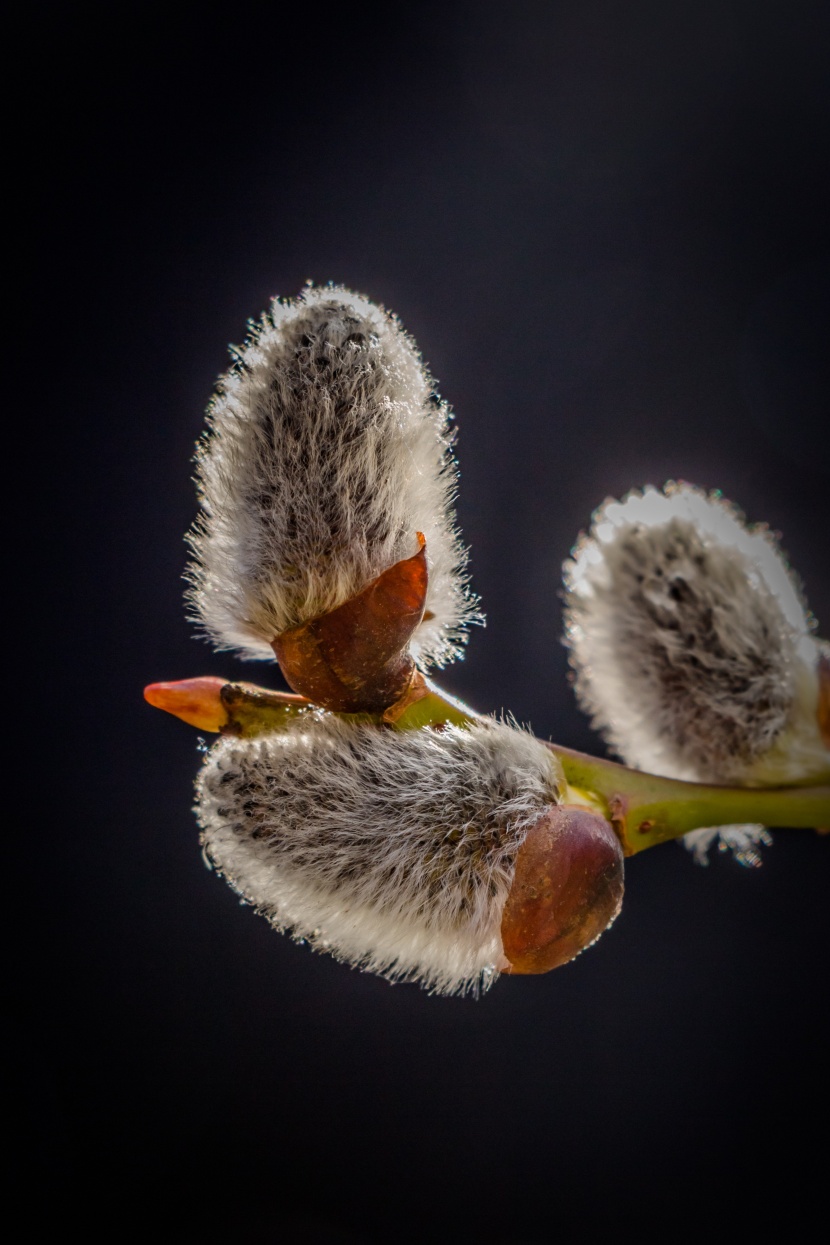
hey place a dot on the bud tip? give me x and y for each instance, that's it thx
(196, 701)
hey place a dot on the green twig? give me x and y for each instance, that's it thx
(645, 809)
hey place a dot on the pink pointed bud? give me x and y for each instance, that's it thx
(196, 701)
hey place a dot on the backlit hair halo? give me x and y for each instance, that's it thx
(374, 817)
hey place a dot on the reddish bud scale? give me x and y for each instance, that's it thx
(567, 889)
(196, 701)
(215, 705)
(355, 659)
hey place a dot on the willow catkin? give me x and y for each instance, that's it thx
(392, 850)
(327, 451)
(692, 646)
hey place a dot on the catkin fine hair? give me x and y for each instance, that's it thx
(392, 850)
(327, 451)
(686, 631)
(692, 647)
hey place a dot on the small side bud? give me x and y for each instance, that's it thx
(567, 889)
(214, 705)
(196, 701)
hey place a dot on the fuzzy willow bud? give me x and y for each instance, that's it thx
(396, 851)
(327, 461)
(692, 647)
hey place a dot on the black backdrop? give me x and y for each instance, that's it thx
(606, 226)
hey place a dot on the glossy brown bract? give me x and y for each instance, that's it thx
(356, 658)
(567, 889)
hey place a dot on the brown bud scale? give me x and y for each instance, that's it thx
(567, 889)
(355, 659)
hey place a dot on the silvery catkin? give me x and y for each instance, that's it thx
(394, 851)
(693, 648)
(327, 451)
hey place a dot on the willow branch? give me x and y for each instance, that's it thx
(644, 809)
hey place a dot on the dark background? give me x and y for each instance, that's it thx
(606, 225)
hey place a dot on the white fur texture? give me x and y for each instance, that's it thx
(392, 850)
(326, 452)
(692, 646)
(742, 841)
